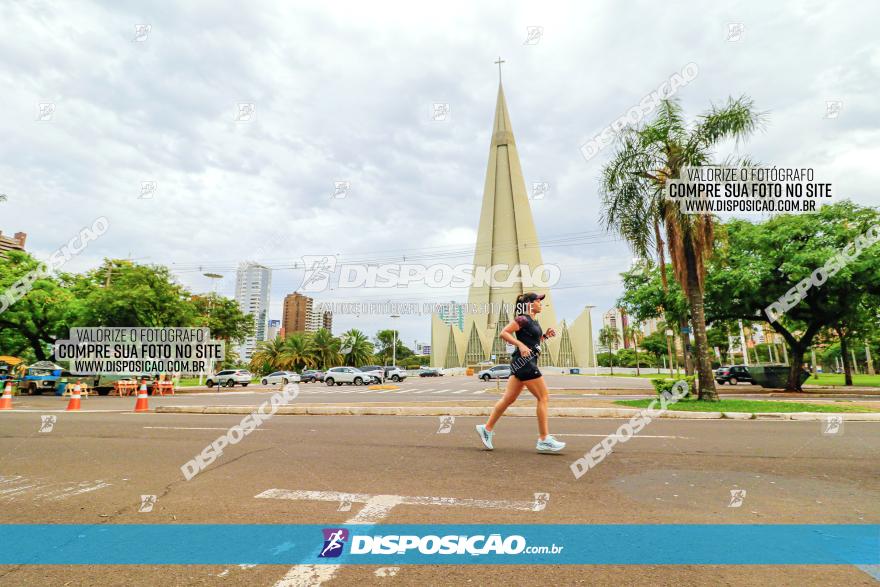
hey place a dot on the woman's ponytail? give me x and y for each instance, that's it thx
(521, 307)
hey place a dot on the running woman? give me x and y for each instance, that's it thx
(525, 334)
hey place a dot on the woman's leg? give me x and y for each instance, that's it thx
(538, 388)
(511, 392)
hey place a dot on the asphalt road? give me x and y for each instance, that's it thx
(93, 468)
(413, 389)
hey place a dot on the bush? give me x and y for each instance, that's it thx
(664, 385)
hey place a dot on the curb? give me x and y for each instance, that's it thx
(513, 411)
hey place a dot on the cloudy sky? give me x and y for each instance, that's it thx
(344, 92)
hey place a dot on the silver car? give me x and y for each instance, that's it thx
(496, 372)
(280, 377)
(229, 377)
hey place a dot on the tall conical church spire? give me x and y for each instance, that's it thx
(506, 234)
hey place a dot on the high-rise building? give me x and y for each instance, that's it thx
(297, 313)
(16, 243)
(506, 235)
(327, 320)
(301, 315)
(253, 283)
(616, 318)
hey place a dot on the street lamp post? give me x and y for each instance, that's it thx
(394, 344)
(213, 277)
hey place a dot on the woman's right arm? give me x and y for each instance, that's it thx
(508, 337)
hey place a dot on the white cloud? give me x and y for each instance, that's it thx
(343, 91)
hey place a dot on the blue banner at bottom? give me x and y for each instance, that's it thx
(470, 544)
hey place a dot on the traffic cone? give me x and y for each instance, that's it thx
(141, 404)
(73, 404)
(6, 400)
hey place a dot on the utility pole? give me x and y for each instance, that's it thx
(394, 345)
(742, 342)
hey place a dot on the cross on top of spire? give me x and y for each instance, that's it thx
(498, 63)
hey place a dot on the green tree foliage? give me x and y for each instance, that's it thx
(758, 263)
(634, 206)
(41, 311)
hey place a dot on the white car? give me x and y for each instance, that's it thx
(282, 377)
(350, 375)
(229, 377)
(395, 373)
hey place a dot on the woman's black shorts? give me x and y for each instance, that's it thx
(527, 372)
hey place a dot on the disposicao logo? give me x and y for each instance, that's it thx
(334, 541)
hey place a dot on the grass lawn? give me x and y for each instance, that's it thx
(832, 379)
(747, 405)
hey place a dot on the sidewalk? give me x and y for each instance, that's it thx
(573, 408)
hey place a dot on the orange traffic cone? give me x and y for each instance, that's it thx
(6, 400)
(141, 404)
(73, 404)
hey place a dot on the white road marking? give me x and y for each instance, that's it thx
(188, 428)
(405, 390)
(459, 391)
(41, 489)
(442, 390)
(376, 508)
(479, 391)
(633, 436)
(426, 390)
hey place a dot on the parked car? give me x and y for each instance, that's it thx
(350, 375)
(229, 377)
(282, 377)
(394, 373)
(733, 375)
(311, 376)
(376, 371)
(496, 372)
(428, 372)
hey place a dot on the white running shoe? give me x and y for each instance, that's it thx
(485, 436)
(549, 444)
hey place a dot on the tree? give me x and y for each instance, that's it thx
(609, 338)
(758, 264)
(122, 293)
(268, 356)
(385, 344)
(356, 347)
(223, 317)
(298, 351)
(656, 345)
(634, 333)
(635, 207)
(41, 310)
(326, 348)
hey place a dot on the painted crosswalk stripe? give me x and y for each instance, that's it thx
(404, 391)
(442, 391)
(459, 391)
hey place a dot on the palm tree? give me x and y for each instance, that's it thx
(298, 352)
(633, 186)
(634, 333)
(326, 348)
(268, 356)
(356, 348)
(609, 338)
